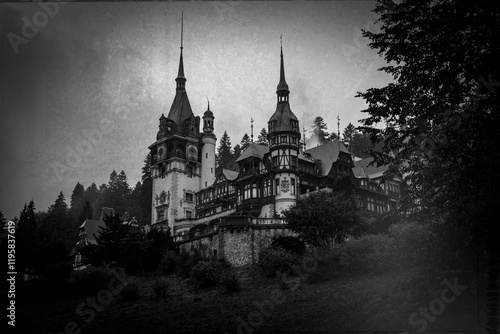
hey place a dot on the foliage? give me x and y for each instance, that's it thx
(412, 243)
(160, 288)
(131, 292)
(290, 244)
(229, 281)
(323, 216)
(26, 238)
(185, 262)
(442, 120)
(224, 153)
(168, 262)
(245, 142)
(319, 129)
(53, 261)
(92, 279)
(110, 240)
(370, 253)
(273, 260)
(159, 242)
(262, 138)
(207, 274)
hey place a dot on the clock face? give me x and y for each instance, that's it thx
(193, 152)
(160, 152)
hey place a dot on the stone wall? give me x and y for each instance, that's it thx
(238, 246)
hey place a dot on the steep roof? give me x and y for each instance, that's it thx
(253, 150)
(92, 229)
(328, 153)
(283, 115)
(372, 171)
(180, 110)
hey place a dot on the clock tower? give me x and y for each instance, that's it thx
(176, 159)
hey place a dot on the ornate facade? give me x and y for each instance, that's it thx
(188, 193)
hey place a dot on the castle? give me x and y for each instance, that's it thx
(188, 193)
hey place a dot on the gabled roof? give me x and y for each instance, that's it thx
(254, 150)
(372, 171)
(230, 174)
(92, 229)
(328, 153)
(359, 172)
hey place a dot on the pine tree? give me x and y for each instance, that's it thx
(348, 134)
(245, 142)
(319, 130)
(86, 212)
(237, 151)
(77, 200)
(26, 238)
(146, 192)
(117, 192)
(224, 153)
(262, 138)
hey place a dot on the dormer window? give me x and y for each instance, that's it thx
(272, 126)
(295, 126)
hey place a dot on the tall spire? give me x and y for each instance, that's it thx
(282, 90)
(181, 80)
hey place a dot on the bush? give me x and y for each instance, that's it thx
(207, 274)
(185, 262)
(326, 270)
(131, 291)
(92, 279)
(160, 288)
(276, 259)
(168, 261)
(291, 244)
(229, 281)
(366, 254)
(412, 243)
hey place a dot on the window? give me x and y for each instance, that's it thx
(189, 197)
(161, 215)
(189, 214)
(275, 162)
(247, 194)
(277, 182)
(254, 191)
(292, 186)
(206, 155)
(294, 162)
(190, 171)
(283, 139)
(267, 188)
(295, 126)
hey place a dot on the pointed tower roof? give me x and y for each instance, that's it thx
(283, 114)
(282, 85)
(180, 110)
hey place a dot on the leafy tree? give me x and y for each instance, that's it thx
(224, 153)
(262, 138)
(245, 142)
(26, 238)
(442, 117)
(324, 216)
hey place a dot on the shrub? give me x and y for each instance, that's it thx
(92, 279)
(160, 288)
(185, 262)
(412, 243)
(229, 281)
(366, 254)
(131, 291)
(291, 244)
(326, 269)
(207, 274)
(276, 259)
(168, 262)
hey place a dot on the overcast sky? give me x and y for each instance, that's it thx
(107, 70)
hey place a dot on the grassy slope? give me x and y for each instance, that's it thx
(348, 303)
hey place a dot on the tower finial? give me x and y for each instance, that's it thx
(208, 102)
(182, 27)
(338, 129)
(251, 129)
(181, 80)
(282, 89)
